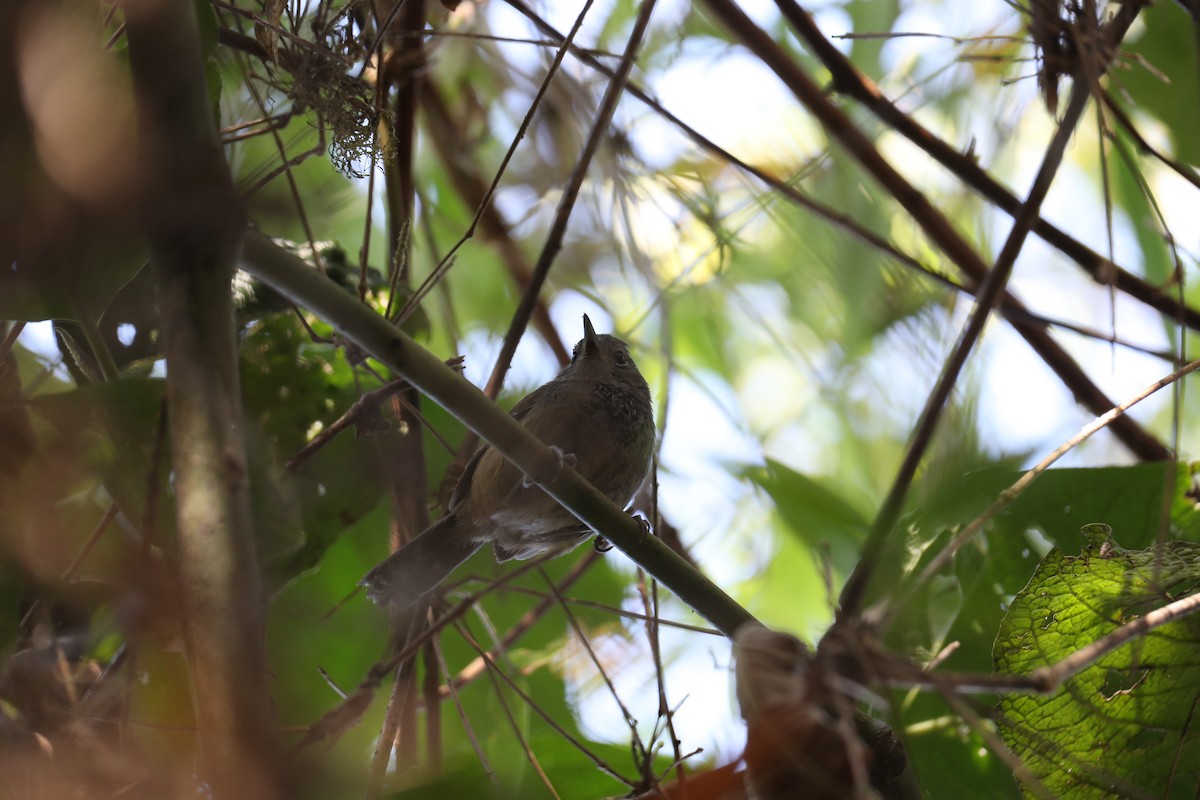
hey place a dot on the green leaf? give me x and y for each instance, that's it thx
(814, 511)
(74, 280)
(997, 565)
(868, 16)
(1128, 186)
(1120, 727)
(110, 430)
(206, 27)
(1169, 91)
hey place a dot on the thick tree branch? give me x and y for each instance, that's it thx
(194, 223)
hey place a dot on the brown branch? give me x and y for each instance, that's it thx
(989, 294)
(446, 137)
(401, 69)
(400, 60)
(433, 711)
(847, 79)
(194, 222)
(935, 225)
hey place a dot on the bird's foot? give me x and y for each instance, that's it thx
(567, 459)
(644, 523)
(602, 545)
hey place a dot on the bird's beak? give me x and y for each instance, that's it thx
(591, 342)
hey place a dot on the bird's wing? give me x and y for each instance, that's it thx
(463, 487)
(526, 403)
(519, 412)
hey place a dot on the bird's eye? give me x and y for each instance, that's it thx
(621, 358)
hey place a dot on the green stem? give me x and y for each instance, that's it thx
(99, 348)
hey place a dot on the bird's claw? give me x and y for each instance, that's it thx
(563, 458)
(602, 545)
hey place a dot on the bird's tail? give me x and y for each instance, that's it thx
(421, 565)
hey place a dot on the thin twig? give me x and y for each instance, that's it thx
(1055, 675)
(452, 691)
(455, 155)
(558, 227)
(986, 732)
(665, 712)
(484, 206)
(10, 338)
(84, 550)
(368, 403)
(630, 722)
(522, 626)
(493, 669)
(617, 612)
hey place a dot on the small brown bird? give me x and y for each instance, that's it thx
(597, 413)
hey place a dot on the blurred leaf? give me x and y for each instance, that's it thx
(273, 501)
(74, 281)
(1169, 89)
(162, 700)
(954, 762)
(823, 519)
(869, 16)
(112, 428)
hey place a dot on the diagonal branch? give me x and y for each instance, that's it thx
(988, 296)
(466, 176)
(290, 276)
(558, 228)
(935, 224)
(847, 79)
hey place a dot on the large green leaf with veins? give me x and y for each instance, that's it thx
(1125, 725)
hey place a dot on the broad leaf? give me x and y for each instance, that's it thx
(1124, 725)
